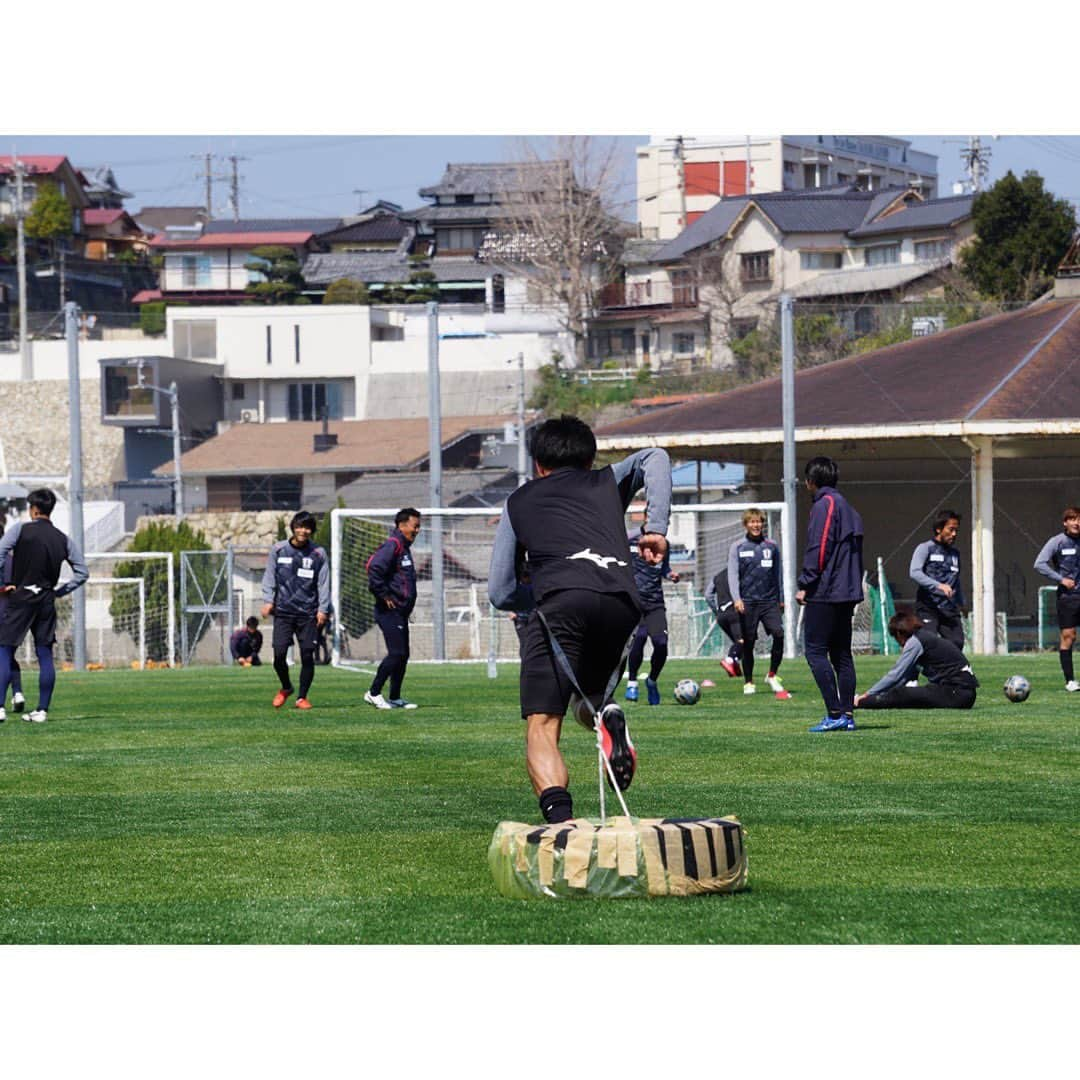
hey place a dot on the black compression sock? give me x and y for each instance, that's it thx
(556, 805)
(1067, 664)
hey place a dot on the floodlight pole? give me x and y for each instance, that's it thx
(438, 623)
(790, 484)
(75, 485)
(522, 452)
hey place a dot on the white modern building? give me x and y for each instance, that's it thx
(679, 179)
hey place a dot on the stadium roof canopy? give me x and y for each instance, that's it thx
(937, 420)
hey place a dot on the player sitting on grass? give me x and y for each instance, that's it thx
(246, 643)
(951, 682)
(1059, 560)
(296, 589)
(935, 568)
(718, 597)
(38, 550)
(649, 573)
(754, 575)
(566, 530)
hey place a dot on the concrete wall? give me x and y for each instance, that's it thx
(34, 421)
(50, 358)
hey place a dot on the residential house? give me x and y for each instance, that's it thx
(172, 222)
(842, 246)
(102, 190)
(40, 169)
(212, 268)
(113, 233)
(283, 466)
(685, 177)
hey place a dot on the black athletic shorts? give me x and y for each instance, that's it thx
(1068, 610)
(592, 629)
(25, 611)
(302, 627)
(765, 612)
(655, 622)
(949, 627)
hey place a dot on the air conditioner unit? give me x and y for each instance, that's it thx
(249, 416)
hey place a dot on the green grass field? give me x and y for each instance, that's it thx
(179, 807)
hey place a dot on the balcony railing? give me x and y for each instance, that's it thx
(621, 294)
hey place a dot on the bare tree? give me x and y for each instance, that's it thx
(556, 228)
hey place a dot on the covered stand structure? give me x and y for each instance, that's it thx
(981, 418)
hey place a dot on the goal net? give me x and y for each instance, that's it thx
(454, 620)
(130, 613)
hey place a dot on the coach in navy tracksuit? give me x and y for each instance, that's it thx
(392, 579)
(830, 585)
(935, 568)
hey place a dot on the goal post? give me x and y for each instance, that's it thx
(699, 535)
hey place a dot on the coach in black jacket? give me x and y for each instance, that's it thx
(830, 585)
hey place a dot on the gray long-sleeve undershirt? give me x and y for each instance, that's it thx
(1049, 550)
(649, 469)
(902, 670)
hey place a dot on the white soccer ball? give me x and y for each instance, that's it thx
(1017, 688)
(687, 692)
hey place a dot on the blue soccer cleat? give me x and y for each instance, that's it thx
(834, 723)
(850, 721)
(653, 691)
(631, 691)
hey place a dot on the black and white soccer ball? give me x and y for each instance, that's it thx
(687, 692)
(1017, 688)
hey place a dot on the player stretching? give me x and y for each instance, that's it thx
(718, 597)
(951, 682)
(1059, 560)
(935, 568)
(296, 589)
(649, 573)
(392, 580)
(566, 530)
(38, 550)
(830, 585)
(757, 589)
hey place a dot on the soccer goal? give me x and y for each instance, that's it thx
(130, 613)
(454, 620)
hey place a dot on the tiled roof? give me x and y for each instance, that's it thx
(104, 217)
(35, 163)
(480, 214)
(273, 225)
(865, 280)
(238, 239)
(1018, 366)
(380, 229)
(288, 447)
(385, 266)
(934, 214)
(495, 177)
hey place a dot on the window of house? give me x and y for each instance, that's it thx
(498, 293)
(464, 200)
(307, 400)
(739, 328)
(883, 255)
(683, 343)
(756, 266)
(790, 168)
(195, 271)
(683, 287)
(627, 342)
(238, 391)
(821, 260)
(195, 339)
(843, 178)
(124, 396)
(270, 492)
(815, 175)
(296, 341)
(931, 249)
(461, 239)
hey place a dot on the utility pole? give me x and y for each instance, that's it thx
(749, 168)
(178, 479)
(360, 193)
(75, 484)
(62, 279)
(208, 176)
(438, 620)
(679, 153)
(234, 186)
(787, 399)
(976, 159)
(522, 453)
(26, 367)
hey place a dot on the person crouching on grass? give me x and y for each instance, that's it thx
(951, 682)
(296, 589)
